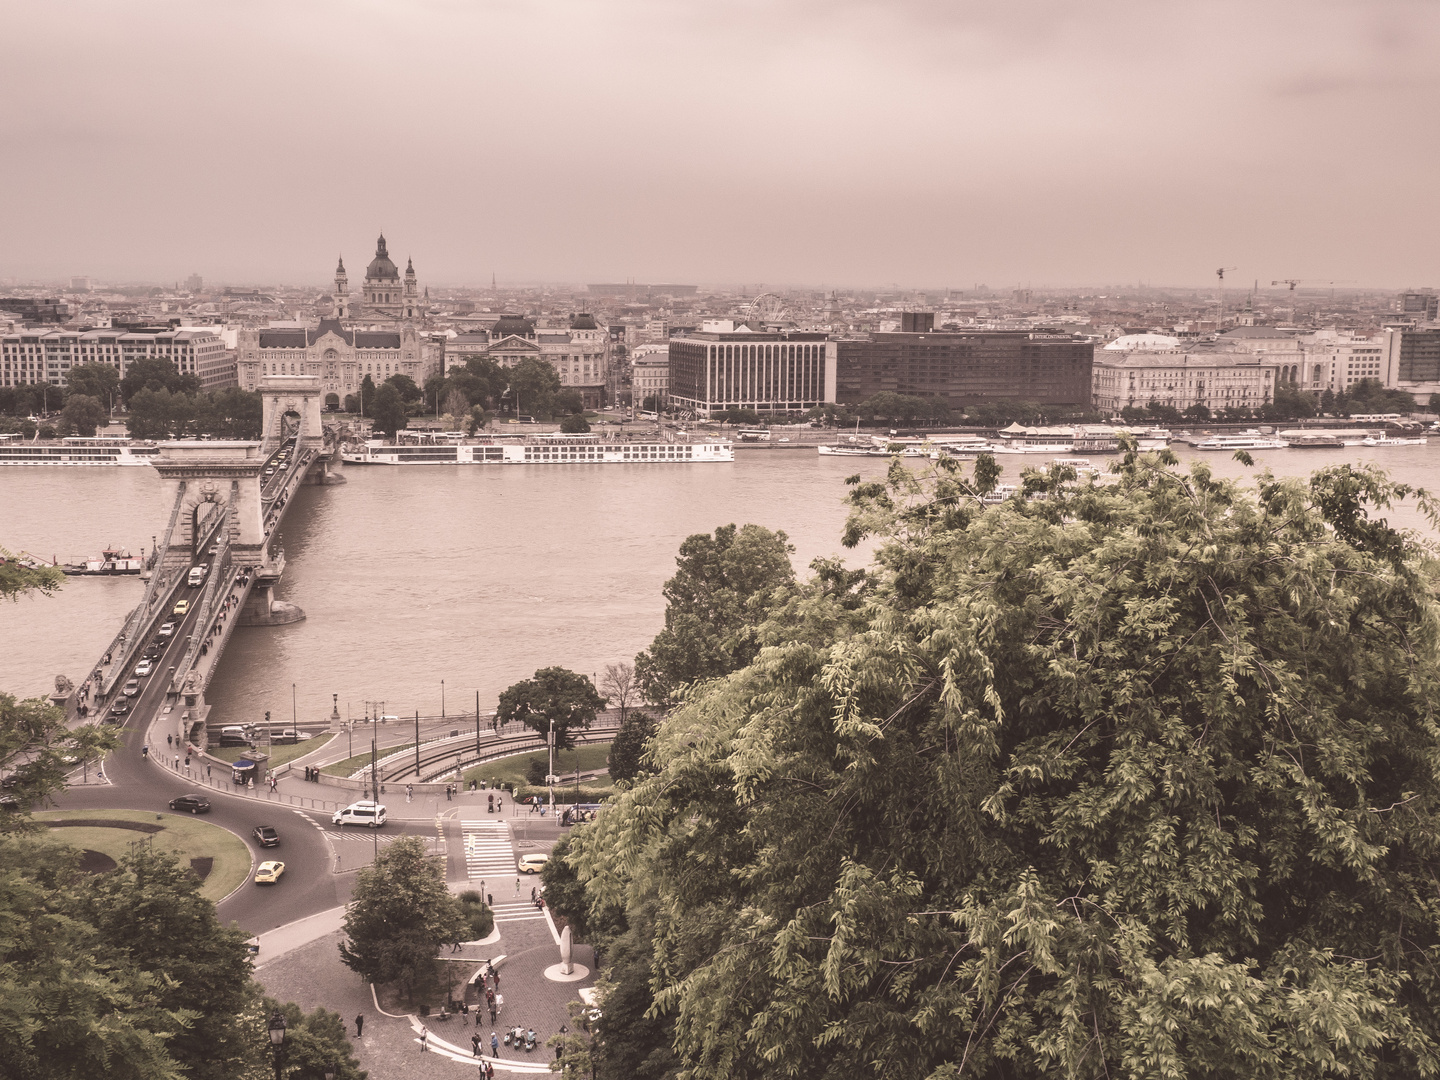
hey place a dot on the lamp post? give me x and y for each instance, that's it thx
(330, 1070)
(442, 699)
(550, 776)
(277, 1041)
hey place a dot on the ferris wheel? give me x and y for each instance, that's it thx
(766, 307)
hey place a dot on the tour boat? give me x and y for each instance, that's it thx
(1316, 442)
(110, 561)
(77, 450)
(1245, 440)
(877, 447)
(550, 449)
(1392, 440)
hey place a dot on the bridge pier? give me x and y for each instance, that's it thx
(262, 609)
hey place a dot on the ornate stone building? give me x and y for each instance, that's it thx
(384, 295)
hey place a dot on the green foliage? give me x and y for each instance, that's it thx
(568, 402)
(37, 749)
(388, 411)
(1289, 404)
(409, 392)
(399, 915)
(83, 414)
(155, 373)
(652, 404)
(367, 396)
(28, 398)
(555, 695)
(1368, 396)
(722, 588)
(100, 381)
(17, 580)
(481, 380)
(231, 413)
(1135, 780)
(533, 386)
(574, 424)
(737, 416)
(149, 916)
(897, 408)
(312, 1040)
(352, 403)
(628, 748)
(564, 892)
(479, 919)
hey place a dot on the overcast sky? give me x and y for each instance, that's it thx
(1040, 142)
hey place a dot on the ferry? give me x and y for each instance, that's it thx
(1392, 440)
(1245, 440)
(110, 561)
(881, 447)
(548, 449)
(1315, 441)
(77, 450)
(1046, 440)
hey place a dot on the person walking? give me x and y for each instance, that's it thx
(409, 788)
(494, 1042)
(207, 772)
(424, 1038)
(145, 751)
(475, 1045)
(359, 1025)
(517, 886)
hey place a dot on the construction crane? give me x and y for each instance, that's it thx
(1292, 282)
(1220, 296)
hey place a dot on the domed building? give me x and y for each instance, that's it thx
(385, 295)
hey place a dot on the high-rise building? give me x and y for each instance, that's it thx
(1414, 357)
(965, 367)
(47, 356)
(727, 365)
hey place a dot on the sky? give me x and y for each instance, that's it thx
(823, 143)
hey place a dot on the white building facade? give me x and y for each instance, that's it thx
(35, 356)
(1138, 369)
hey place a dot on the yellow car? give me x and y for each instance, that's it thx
(269, 873)
(182, 607)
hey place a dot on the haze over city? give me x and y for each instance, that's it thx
(869, 144)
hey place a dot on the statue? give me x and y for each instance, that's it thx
(63, 686)
(567, 964)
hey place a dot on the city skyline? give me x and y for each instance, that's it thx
(842, 145)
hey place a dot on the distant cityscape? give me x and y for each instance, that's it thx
(699, 352)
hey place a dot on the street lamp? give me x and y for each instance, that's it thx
(330, 1070)
(277, 1040)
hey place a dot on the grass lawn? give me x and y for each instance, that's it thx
(350, 764)
(279, 752)
(187, 835)
(513, 770)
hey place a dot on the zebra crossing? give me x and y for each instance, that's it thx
(488, 852)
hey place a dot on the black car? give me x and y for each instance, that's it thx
(121, 706)
(266, 836)
(196, 804)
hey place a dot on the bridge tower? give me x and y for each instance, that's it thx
(293, 405)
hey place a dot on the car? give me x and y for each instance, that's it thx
(269, 873)
(154, 649)
(195, 803)
(121, 707)
(181, 608)
(214, 549)
(131, 688)
(166, 630)
(361, 813)
(532, 864)
(266, 836)
(144, 667)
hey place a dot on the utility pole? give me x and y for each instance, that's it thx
(550, 776)
(375, 783)
(417, 746)
(477, 722)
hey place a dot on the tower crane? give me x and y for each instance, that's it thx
(1220, 298)
(1292, 282)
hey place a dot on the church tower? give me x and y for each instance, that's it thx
(412, 294)
(342, 291)
(382, 284)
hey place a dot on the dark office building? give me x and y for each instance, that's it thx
(1419, 359)
(967, 367)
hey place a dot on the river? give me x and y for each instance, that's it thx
(473, 575)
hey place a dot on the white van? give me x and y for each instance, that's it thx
(361, 813)
(197, 576)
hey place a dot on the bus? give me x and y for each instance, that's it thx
(753, 434)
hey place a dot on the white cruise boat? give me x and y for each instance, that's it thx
(1245, 440)
(535, 450)
(1046, 440)
(1392, 440)
(878, 446)
(77, 450)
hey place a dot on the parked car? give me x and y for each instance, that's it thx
(269, 873)
(196, 804)
(266, 836)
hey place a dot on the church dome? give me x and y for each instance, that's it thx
(381, 268)
(583, 321)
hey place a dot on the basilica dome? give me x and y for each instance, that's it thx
(381, 268)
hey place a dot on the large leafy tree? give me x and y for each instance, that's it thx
(723, 586)
(83, 414)
(400, 914)
(555, 697)
(17, 579)
(389, 409)
(313, 1041)
(37, 749)
(99, 381)
(1137, 779)
(534, 383)
(156, 373)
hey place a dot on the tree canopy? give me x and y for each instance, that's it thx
(399, 916)
(1135, 779)
(95, 380)
(721, 589)
(533, 386)
(554, 695)
(155, 373)
(37, 749)
(388, 410)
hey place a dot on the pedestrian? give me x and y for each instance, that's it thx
(359, 1024)
(424, 1038)
(475, 1045)
(167, 741)
(251, 785)
(494, 1040)
(409, 788)
(498, 999)
(187, 760)
(145, 751)
(517, 886)
(532, 894)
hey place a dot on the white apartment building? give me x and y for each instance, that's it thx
(34, 356)
(650, 374)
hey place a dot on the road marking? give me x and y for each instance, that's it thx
(488, 851)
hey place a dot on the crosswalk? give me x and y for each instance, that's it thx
(522, 911)
(488, 852)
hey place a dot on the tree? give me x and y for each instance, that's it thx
(17, 579)
(352, 403)
(1199, 411)
(367, 396)
(400, 914)
(1132, 780)
(82, 414)
(149, 916)
(628, 747)
(409, 392)
(481, 380)
(389, 411)
(568, 401)
(574, 424)
(312, 1041)
(651, 404)
(155, 373)
(1327, 401)
(37, 750)
(1290, 404)
(619, 685)
(456, 403)
(231, 413)
(555, 696)
(533, 386)
(721, 590)
(99, 381)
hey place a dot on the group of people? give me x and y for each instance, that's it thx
(312, 774)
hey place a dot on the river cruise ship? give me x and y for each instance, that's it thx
(76, 450)
(1245, 440)
(547, 449)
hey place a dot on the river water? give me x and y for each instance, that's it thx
(474, 575)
